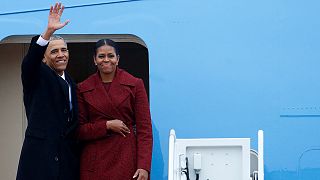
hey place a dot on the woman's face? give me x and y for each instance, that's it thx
(106, 59)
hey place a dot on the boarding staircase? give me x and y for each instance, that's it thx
(215, 159)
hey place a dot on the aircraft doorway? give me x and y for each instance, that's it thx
(133, 58)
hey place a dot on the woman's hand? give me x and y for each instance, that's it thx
(118, 126)
(141, 174)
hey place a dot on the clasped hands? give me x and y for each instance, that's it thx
(118, 126)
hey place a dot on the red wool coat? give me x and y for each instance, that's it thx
(107, 155)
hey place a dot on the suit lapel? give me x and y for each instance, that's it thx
(64, 87)
(74, 112)
(61, 82)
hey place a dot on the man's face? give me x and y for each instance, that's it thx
(57, 56)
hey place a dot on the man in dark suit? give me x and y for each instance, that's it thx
(49, 150)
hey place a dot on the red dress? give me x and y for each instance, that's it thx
(107, 155)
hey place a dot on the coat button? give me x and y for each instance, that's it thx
(56, 158)
(65, 111)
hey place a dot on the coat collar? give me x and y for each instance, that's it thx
(107, 103)
(121, 77)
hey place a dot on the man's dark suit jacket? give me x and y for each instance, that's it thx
(49, 150)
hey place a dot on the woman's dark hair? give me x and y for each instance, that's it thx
(108, 42)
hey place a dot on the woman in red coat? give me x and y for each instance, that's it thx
(115, 125)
